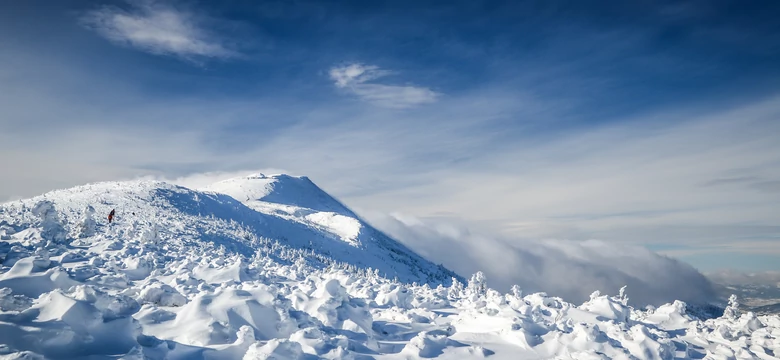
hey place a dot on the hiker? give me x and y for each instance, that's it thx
(111, 216)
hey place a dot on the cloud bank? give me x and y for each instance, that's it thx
(733, 277)
(357, 79)
(158, 29)
(569, 269)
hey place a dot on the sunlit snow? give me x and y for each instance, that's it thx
(272, 267)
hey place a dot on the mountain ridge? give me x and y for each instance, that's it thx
(280, 214)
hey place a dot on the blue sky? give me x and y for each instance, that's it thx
(650, 123)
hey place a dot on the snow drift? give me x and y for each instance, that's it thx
(279, 270)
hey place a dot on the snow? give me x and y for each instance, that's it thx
(271, 267)
(296, 192)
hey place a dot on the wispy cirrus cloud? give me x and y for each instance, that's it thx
(358, 80)
(158, 29)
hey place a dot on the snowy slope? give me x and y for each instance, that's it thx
(297, 200)
(274, 268)
(301, 217)
(285, 190)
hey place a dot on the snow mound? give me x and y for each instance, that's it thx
(184, 274)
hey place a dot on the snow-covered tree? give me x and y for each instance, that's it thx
(732, 310)
(87, 224)
(151, 235)
(622, 296)
(440, 291)
(51, 227)
(477, 284)
(516, 291)
(456, 289)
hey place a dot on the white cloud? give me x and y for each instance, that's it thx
(357, 79)
(733, 277)
(356, 74)
(157, 29)
(572, 270)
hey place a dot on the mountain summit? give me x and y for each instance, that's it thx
(328, 225)
(295, 191)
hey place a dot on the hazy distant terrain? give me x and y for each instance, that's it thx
(758, 292)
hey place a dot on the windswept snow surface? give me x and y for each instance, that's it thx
(273, 268)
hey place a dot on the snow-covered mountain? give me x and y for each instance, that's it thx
(272, 267)
(237, 214)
